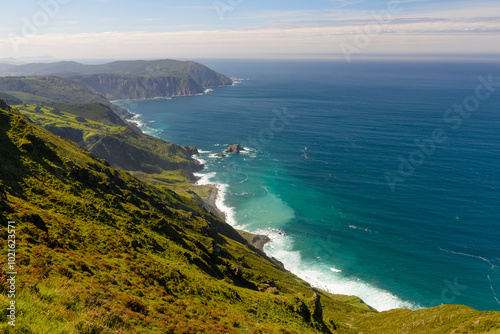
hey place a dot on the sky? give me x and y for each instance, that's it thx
(46, 30)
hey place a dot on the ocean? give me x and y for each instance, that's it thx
(374, 179)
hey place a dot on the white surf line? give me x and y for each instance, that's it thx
(473, 256)
(493, 290)
(485, 260)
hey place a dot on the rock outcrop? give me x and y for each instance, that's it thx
(4, 105)
(316, 307)
(235, 148)
(120, 87)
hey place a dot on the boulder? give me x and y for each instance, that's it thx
(220, 155)
(235, 148)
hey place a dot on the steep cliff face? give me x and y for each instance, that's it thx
(135, 157)
(119, 87)
(204, 76)
(136, 79)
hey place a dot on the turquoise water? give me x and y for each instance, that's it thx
(325, 142)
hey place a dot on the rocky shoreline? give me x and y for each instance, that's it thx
(256, 240)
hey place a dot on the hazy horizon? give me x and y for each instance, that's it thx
(50, 30)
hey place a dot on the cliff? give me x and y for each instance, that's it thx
(96, 128)
(134, 79)
(120, 87)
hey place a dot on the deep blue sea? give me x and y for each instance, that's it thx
(375, 179)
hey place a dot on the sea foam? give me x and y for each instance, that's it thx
(323, 276)
(220, 202)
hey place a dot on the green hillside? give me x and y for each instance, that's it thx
(10, 99)
(101, 252)
(43, 69)
(132, 67)
(98, 129)
(131, 79)
(54, 89)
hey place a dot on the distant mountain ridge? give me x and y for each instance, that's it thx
(130, 79)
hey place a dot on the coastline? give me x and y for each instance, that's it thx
(275, 244)
(207, 90)
(210, 203)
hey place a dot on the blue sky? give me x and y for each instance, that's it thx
(115, 29)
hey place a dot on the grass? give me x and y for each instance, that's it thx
(46, 117)
(111, 139)
(101, 251)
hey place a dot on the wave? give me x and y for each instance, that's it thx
(204, 178)
(354, 227)
(136, 119)
(250, 151)
(327, 278)
(220, 202)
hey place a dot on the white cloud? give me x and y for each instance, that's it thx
(406, 38)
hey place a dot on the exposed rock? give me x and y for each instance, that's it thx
(270, 283)
(36, 220)
(220, 155)
(273, 290)
(191, 150)
(259, 241)
(235, 148)
(118, 86)
(4, 105)
(316, 307)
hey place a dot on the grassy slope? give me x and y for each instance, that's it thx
(134, 68)
(102, 252)
(54, 89)
(110, 138)
(10, 99)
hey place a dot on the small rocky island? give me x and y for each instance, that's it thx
(235, 148)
